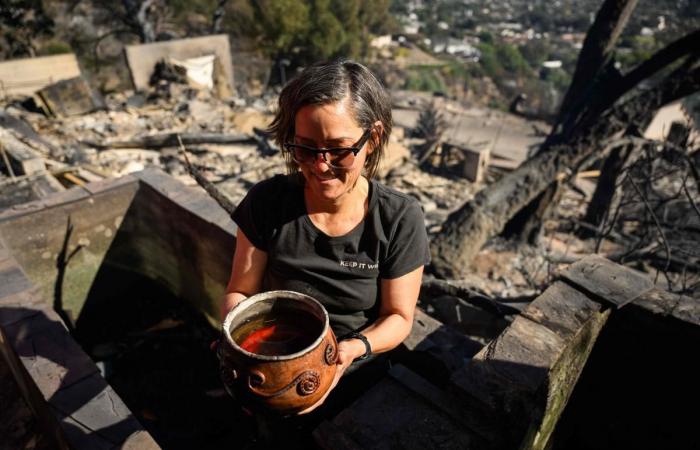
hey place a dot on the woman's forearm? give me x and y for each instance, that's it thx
(385, 334)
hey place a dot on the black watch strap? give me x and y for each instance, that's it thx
(363, 338)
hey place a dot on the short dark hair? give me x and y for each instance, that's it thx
(329, 82)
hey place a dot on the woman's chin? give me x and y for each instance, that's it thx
(329, 189)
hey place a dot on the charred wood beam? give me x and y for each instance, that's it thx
(528, 225)
(208, 186)
(466, 230)
(594, 63)
(432, 288)
(171, 140)
(660, 60)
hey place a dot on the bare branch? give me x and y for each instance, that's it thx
(658, 225)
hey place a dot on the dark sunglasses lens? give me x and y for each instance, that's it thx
(341, 158)
(301, 154)
(338, 158)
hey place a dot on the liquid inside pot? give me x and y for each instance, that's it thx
(280, 334)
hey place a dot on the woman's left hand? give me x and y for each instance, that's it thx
(347, 352)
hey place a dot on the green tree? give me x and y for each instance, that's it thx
(489, 61)
(511, 59)
(282, 24)
(326, 36)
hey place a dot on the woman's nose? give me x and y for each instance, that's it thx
(320, 161)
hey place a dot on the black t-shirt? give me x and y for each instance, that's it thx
(342, 272)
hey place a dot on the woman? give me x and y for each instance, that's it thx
(326, 229)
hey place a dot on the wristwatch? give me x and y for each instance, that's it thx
(363, 338)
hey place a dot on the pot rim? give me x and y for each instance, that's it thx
(291, 295)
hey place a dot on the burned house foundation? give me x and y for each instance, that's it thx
(109, 298)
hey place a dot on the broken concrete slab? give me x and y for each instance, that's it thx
(143, 58)
(26, 76)
(70, 97)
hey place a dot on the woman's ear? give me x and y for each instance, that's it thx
(376, 137)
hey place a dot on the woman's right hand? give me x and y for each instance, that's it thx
(348, 351)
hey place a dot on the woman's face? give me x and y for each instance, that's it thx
(330, 125)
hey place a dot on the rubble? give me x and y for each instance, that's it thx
(27, 75)
(70, 97)
(227, 144)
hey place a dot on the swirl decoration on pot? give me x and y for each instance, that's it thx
(306, 382)
(331, 353)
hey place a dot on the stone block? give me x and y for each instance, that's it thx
(49, 354)
(158, 180)
(109, 183)
(511, 368)
(94, 404)
(73, 194)
(562, 309)
(389, 415)
(140, 440)
(21, 305)
(331, 437)
(78, 436)
(611, 282)
(70, 97)
(664, 303)
(446, 346)
(21, 209)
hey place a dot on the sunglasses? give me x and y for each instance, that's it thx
(335, 157)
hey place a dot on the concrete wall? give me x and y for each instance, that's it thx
(148, 223)
(28, 75)
(143, 58)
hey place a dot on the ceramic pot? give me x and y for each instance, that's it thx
(279, 378)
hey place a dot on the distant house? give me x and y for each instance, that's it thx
(457, 47)
(381, 41)
(553, 64)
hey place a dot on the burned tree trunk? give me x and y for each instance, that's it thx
(218, 16)
(605, 189)
(594, 70)
(600, 96)
(588, 121)
(468, 228)
(143, 17)
(594, 67)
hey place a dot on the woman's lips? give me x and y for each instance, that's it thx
(322, 178)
